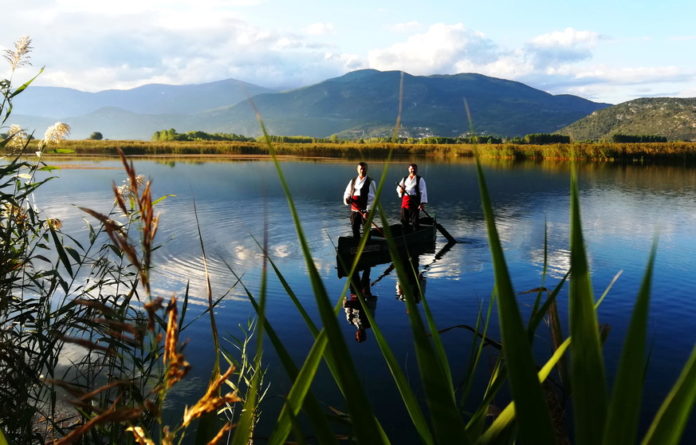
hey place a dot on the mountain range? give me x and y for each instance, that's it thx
(361, 103)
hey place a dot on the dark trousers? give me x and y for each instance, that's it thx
(409, 218)
(360, 283)
(356, 220)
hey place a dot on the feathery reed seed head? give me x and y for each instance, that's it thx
(19, 55)
(18, 137)
(210, 402)
(56, 132)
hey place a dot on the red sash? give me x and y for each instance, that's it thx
(355, 203)
(409, 202)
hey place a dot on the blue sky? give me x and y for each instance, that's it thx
(608, 51)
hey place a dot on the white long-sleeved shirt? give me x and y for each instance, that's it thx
(355, 191)
(410, 185)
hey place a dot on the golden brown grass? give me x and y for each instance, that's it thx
(588, 151)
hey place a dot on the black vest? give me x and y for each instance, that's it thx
(418, 178)
(364, 191)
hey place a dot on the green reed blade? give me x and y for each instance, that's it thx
(445, 417)
(477, 350)
(245, 426)
(672, 417)
(438, 347)
(533, 419)
(538, 315)
(299, 393)
(61, 253)
(606, 291)
(507, 416)
(311, 405)
(305, 316)
(478, 421)
(299, 390)
(23, 87)
(624, 407)
(364, 422)
(587, 379)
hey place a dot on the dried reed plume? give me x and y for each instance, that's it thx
(56, 133)
(18, 137)
(19, 56)
(174, 363)
(210, 402)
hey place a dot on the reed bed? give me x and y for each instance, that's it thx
(667, 152)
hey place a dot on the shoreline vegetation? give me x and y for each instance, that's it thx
(670, 152)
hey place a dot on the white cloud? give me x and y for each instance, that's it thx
(441, 49)
(559, 47)
(568, 38)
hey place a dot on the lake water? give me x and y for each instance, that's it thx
(623, 209)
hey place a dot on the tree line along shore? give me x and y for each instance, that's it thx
(679, 152)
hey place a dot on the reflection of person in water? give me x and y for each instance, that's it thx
(416, 281)
(355, 312)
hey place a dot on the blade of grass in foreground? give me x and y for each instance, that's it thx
(366, 427)
(245, 426)
(505, 418)
(444, 413)
(588, 385)
(533, 416)
(402, 384)
(311, 406)
(672, 417)
(624, 408)
(300, 390)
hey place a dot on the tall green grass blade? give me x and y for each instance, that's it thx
(673, 415)
(476, 350)
(438, 347)
(245, 425)
(538, 315)
(606, 291)
(299, 390)
(624, 408)
(507, 416)
(209, 423)
(364, 421)
(305, 316)
(209, 291)
(312, 407)
(588, 383)
(61, 253)
(402, 384)
(534, 420)
(477, 423)
(445, 417)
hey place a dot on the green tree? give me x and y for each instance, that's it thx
(96, 136)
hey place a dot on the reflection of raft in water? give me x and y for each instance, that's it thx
(376, 250)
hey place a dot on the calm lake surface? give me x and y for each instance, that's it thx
(623, 209)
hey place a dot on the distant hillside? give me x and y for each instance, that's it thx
(59, 103)
(365, 102)
(664, 116)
